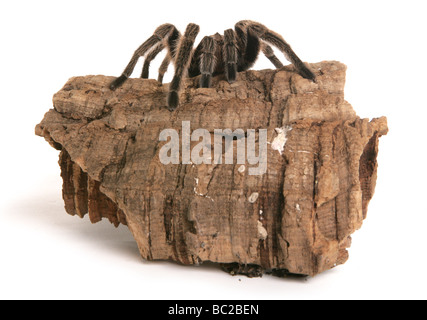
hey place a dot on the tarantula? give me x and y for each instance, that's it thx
(235, 51)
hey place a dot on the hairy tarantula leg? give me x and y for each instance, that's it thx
(249, 45)
(150, 57)
(230, 55)
(269, 53)
(162, 32)
(275, 39)
(207, 61)
(163, 68)
(278, 41)
(182, 61)
(241, 37)
(172, 48)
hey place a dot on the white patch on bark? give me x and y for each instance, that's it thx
(253, 197)
(262, 233)
(280, 141)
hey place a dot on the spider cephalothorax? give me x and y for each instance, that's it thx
(235, 51)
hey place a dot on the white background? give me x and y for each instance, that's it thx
(46, 254)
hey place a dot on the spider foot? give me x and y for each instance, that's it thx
(160, 79)
(205, 81)
(118, 82)
(173, 100)
(307, 74)
(231, 73)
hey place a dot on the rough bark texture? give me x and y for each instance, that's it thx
(296, 218)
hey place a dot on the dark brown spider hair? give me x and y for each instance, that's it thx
(235, 51)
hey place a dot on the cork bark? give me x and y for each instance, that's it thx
(295, 218)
